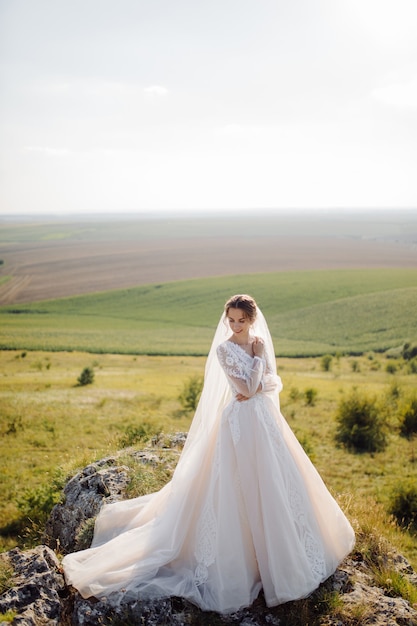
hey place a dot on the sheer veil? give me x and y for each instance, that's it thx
(216, 393)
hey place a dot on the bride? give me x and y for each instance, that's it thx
(245, 509)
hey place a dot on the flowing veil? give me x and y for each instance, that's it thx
(217, 393)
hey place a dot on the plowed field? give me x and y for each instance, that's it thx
(45, 269)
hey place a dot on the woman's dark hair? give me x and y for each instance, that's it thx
(244, 302)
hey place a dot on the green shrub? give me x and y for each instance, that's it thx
(35, 505)
(361, 426)
(191, 393)
(8, 616)
(85, 534)
(6, 576)
(306, 444)
(136, 434)
(408, 418)
(395, 584)
(86, 377)
(326, 362)
(294, 393)
(355, 366)
(310, 396)
(394, 391)
(15, 425)
(391, 368)
(409, 351)
(403, 505)
(412, 366)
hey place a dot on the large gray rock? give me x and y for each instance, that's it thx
(39, 587)
(84, 495)
(71, 522)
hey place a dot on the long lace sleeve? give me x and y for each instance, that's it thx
(243, 379)
(270, 380)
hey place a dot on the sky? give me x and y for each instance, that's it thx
(187, 105)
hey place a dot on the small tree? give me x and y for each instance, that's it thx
(361, 426)
(191, 393)
(86, 377)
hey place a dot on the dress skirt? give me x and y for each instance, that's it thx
(254, 515)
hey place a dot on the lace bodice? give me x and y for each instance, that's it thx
(247, 375)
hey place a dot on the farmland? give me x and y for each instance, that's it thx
(59, 258)
(309, 313)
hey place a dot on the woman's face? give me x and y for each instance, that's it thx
(238, 321)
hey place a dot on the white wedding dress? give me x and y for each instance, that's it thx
(245, 510)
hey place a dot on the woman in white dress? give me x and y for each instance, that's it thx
(245, 509)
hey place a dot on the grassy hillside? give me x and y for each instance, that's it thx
(309, 313)
(49, 426)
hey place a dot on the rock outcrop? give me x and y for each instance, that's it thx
(84, 494)
(39, 595)
(39, 591)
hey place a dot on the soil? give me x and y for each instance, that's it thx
(55, 269)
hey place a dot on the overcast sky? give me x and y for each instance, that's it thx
(133, 105)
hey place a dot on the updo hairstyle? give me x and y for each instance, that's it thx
(243, 302)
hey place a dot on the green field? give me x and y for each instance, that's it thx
(49, 426)
(309, 313)
(148, 340)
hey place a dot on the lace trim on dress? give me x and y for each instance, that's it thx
(205, 547)
(230, 357)
(234, 424)
(312, 548)
(271, 425)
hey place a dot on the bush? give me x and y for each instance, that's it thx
(191, 393)
(137, 434)
(86, 377)
(361, 427)
(310, 396)
(391, 368)
(412, 366)
(326, 362)
(294, 393)
(409, 351)
(408, 418)
(403, 505)
(85, 534)
(6, 576)
(35, 505)
(394, 391)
